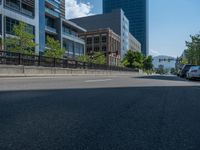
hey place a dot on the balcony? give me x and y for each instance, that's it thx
(12, 5)
(52, 13)
(16, 7)
(50, 30)
(73, 37)
(53, 3)
(27, 12)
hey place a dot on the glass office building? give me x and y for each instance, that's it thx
(137, 13)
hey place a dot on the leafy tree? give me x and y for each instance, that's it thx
(147, 64)
(22, 41)
(133, 59)
(129, 59)
(53, 48)
(84, 58)
(184, 61)
(193, 50)
(173, 71)
(98, 58)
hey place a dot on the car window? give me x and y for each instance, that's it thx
(187, 67)
(190, 69)
(195, 68)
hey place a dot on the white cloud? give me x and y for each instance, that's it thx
(75, 9)
(154, 52)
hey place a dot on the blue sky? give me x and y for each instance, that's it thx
(170, 24)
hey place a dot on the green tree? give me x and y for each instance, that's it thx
(98, 58)
(173, 71)
(148, 63)
(22, 41)
(84, 58)
(133, 59)
(128, 59)
(53, 48)
(193, 50)
(184, 61)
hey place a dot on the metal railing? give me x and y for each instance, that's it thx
(52, 12)
(73, 36)
(16, 7)
(52, 2)
(11, 58)
(50, 29)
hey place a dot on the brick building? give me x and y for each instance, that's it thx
(103, 40)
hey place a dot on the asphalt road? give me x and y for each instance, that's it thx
(99, 113)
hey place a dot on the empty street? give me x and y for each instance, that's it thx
(99, 113)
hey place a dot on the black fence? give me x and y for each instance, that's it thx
(11, 58)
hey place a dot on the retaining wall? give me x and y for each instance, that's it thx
(11, 70)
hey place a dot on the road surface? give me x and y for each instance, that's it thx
(99, 113)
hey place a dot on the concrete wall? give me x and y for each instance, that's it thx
(11, 70)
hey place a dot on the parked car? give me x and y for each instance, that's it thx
(184, 70)
(194, 73)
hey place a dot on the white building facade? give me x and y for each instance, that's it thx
(167, 62)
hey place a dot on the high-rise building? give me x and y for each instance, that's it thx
(44, 18)
(137, 14)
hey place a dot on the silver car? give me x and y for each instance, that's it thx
(194, 73)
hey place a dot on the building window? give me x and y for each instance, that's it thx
(96, 39)
(15, 4)
(89, 40)
(69, 46)
(79, 49)
(74, 33)
(104, 48)
(89, 50)
(66, 30)
(10, 23)
(27, 8)
(49, 22)
(23, 6)
(96, 49)
(104, 39)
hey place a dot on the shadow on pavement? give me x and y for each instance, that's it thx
(162, 77)
(136, 118)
